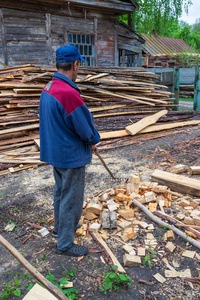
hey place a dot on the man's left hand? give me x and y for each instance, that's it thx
(94, 149)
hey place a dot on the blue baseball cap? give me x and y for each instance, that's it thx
(67, 53)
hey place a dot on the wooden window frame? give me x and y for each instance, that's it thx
(85, 50)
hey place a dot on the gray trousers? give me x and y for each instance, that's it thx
(68, 203)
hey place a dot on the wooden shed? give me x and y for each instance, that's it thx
(166, 52)
(31, 31)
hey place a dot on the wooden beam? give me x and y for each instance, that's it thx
(96, 40)
(100, 5)
(49, 40)
(116, 47)
(3, 38)
(178, 183)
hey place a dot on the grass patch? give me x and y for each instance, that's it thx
(187, 99)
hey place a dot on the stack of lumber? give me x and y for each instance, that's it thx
(117, 98)
(186, 91)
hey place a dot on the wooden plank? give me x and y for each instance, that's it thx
(121, 133)
(17, 129)
(21, 160)
(177, 183)
(38, 292)
(102, 91)
(112, 256)
(95, 77)
(169, 126)
(132, 82)
(18, 122)
(145, 122)
(122, 113)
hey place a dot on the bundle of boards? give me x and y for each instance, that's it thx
(117, 97)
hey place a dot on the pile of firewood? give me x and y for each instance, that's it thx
(115, 214)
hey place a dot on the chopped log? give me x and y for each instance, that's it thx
(194, 170)
(178, 169)
(132, 260)
(177, 183)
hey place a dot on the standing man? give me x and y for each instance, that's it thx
(67, 140)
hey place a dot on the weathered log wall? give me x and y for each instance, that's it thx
(31, 32)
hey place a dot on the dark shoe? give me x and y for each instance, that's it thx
(74, 250)
(55, 235)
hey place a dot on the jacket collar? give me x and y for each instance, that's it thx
(64, 78)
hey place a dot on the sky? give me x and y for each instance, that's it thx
(193, 13)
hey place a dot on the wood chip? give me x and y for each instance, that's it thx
(159, 277)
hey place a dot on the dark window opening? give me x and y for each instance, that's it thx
(85, 45)
(127, 58)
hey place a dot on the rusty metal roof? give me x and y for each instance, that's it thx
(164, 46)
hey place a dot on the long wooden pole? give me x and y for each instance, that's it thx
(50, 286)
(164, 224)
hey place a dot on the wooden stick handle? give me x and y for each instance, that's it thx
(50, 286)
(105, 166)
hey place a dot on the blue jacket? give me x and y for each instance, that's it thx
(66, 125)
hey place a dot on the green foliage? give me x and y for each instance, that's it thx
(158, 15)
(69, 274)
(196, 26)
(11, 289)
(147, 259)
(113, 281)
(192, 37)
(71, 293)
(43, 257)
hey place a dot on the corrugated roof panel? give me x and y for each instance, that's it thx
(165, 45)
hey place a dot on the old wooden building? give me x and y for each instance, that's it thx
(167, 52)
(31, 31)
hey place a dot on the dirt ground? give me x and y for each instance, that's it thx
(27, 197)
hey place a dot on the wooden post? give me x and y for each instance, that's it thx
(3, 38)
(96, 41)
(130, 20)
(116, 48)
(196, 105)
(49, 41)
(123, 57)
(139, 59)
(65, 35)
(175, 90)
